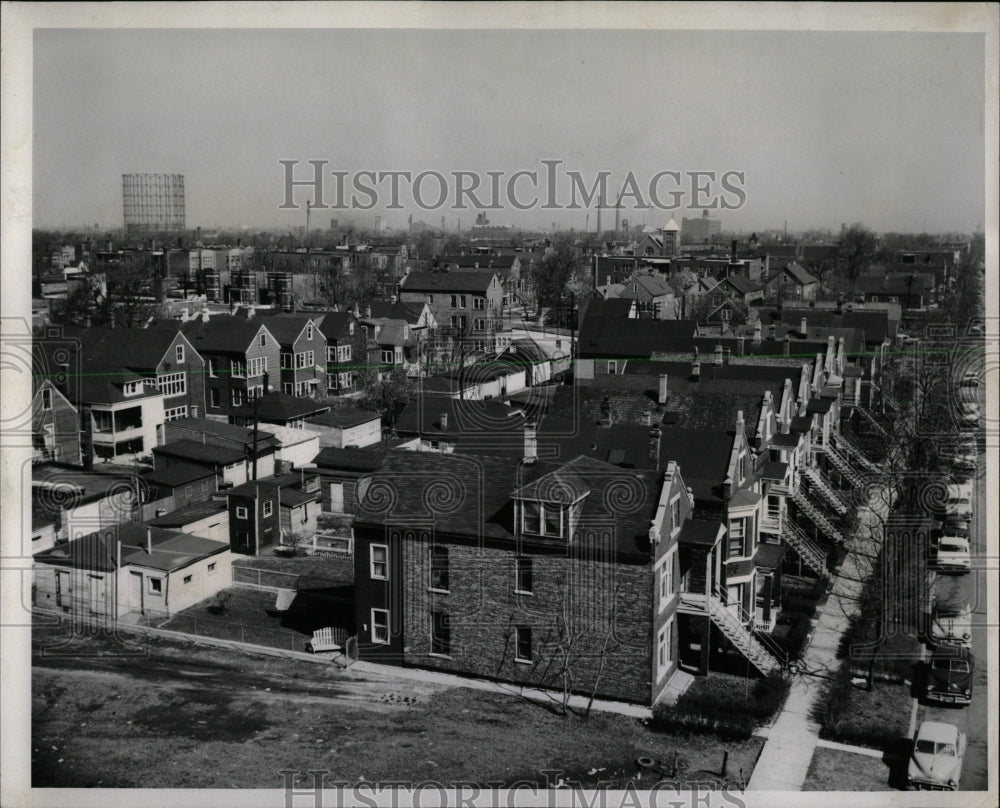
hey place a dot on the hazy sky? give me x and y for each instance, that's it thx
(828, 127)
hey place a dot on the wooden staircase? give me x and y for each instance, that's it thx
(761, 651)
(820, 484)
(812, 555)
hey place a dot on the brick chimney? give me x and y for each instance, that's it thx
(654, 446)
(661, 397)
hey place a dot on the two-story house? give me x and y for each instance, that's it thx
(346, 352)
(238, 352)
(303, 353)
(519, 569)
(467, 305)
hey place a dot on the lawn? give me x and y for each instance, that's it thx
(331, 567)
(876, 719)
(189, 717)
(834, 770)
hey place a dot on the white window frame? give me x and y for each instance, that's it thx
(517, 645)
(518, 560)
(343, 353)
(383, 624)
(256, 367)
(238, 369)
(241, 512)
(667, 580)
(268, 508)
(372, 562)
(309, 331)
(179, 353)
(211, 367)
(388, 356)
(173, 413)
(263, 340)
(664, 641)
(150, 581)
(287, 361)
(479, 303)
(172, 384)
(612, 367)
(675, 515)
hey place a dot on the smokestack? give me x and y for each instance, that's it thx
(740, 424)
(662, 393)
(530, 442)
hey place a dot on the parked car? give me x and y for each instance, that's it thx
(964, 462)
(951, 554)
(954, 526)
(950, 677)
(951, 624)
(936, 761)
(960, 501)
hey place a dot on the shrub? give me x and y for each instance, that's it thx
(829, 710)
(672, 719)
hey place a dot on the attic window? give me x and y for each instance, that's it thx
(263, 340)
(542, 519)
(309, 330)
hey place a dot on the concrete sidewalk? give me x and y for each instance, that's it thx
(791, 740)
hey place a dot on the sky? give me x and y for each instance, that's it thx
(826, 127)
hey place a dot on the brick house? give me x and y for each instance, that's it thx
(467, 305)
(238, 351)
(499, 568)
(345, 352)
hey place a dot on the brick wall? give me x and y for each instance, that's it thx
(484, 611)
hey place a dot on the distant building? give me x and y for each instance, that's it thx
(700, 230)
(153, 203)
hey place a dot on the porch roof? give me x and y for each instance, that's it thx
(701, 532)
(769, 555)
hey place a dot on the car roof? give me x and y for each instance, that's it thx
(937, 731)
(957, 652)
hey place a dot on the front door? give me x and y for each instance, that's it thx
(136, 590)
(337, 497)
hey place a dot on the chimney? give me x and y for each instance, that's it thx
(530, 442)
(695, 366)
(740, 423)
(740, 345)
(444, 422)
(654, 446)
(727, 355)
(787, 345)
(802, 326)
(149, 540)
(772, 331)
(204, 315)
(661, 397)
(718, 354)
(756, 331)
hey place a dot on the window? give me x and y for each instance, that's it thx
(552, 520)
(211, 567)
(479, 324)
(286, 361)
(179, 351)
(388, 355)
(667, 578)
(304, 359)
(462, 301)
(268, 508)
(522, 651)
(309, 330)
(155, 586)
(188, 491)
(524, 575)
(174, 413)
(263, 339)
(612, 367)
(379, 563)
(454, 301)
(380, 626)
(46, 399)
(211, 367)
(479, 303)
(132, 388)
(737, 534)
(675, 515)
(440, 634)
(288, 388)
(187, 579)
(255, 392)
(213, 397)
(172, 384)
(531, 517)
(237, 369)
(351, 329)
(241, 512)
(237, 397)
(257, 366)
(664, 642)
(343, 353)
(439, 567)
(346, 381)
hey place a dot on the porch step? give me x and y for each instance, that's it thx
(853, 453)
(872, 420)
(841, 464)
(817, 517)
(742, 638)
(812, 554)
(820, 484)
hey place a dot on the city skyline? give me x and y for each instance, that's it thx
(863, 123)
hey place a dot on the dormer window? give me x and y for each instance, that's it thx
(132, 388)
(542, 518)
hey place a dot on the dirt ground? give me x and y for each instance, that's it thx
(167, 714)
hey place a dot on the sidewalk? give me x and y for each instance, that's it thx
(792, 739)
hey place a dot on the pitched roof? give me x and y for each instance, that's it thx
(480, 261)
(218, 433)
(367, 459)
(223, 333)
(701, 532)
(476, 282)
(410, 312)
(798, 274)
(336, 324)
(875, 324)
(190, 513)
(286, 327)
(613, 337)
(896, 284)
(466, 417)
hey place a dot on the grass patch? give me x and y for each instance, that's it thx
(835, 770)
(729, 706)
(329, 567)
(244, 718)
(875, 718)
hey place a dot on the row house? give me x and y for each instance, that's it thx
(520, 570)
(303, 353)
(514, 274)
(346, 352)
(238, 351)
(467, 305)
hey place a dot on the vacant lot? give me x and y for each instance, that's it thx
(176, 715)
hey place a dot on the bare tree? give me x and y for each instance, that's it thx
(857, 247)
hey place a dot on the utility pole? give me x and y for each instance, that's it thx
(256, 421)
